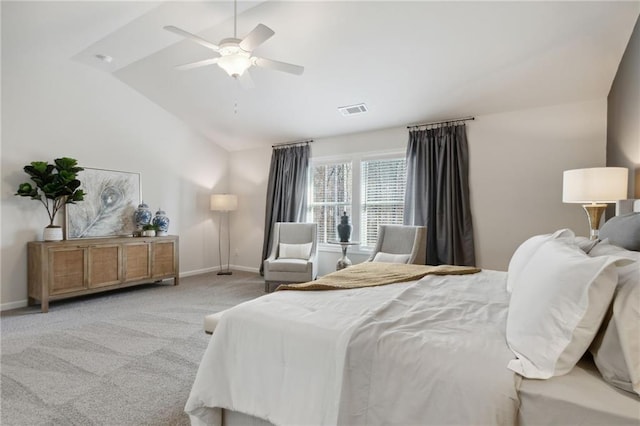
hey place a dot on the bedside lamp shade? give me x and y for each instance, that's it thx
(224, 202)
(595, 185)
(593, 188)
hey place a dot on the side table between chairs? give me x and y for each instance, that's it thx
(344, 261)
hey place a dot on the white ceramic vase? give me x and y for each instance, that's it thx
(52, 233)
(149, 233)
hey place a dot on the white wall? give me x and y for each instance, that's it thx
(53, 107)
(516, 164)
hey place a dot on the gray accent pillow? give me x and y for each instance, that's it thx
(623, 231)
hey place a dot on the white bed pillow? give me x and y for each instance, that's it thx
(527, 249)
(294, 251)
(556, 307)
(391, 258)
(616, 348)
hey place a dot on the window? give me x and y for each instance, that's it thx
(330, 196)
(382, 196)
(370, 189)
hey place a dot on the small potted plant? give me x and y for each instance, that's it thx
(55, 185)
(149, 230)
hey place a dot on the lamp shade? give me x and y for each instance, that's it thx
(224, 202)
(595, 185)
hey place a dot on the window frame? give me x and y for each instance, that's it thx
(356, 160)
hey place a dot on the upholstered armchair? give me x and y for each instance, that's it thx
(400, 244)
(294, 254)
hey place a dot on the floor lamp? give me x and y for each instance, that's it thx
(224, 203)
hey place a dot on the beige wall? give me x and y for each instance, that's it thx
(623, 123)
(249, 171)
(517, 159)
(53, 107)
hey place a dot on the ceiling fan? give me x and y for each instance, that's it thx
(236, 54)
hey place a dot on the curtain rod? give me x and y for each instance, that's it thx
(433, 123)
(280, 145)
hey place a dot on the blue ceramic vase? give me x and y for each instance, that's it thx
(142, 216)
(162, 222)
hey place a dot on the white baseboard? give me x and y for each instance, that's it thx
(217, 268)
(199, 271)
(13, 305)
(245, 269)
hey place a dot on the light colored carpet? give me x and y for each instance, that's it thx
(126, 357)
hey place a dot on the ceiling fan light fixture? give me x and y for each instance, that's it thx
(235, 65)
(235, 54)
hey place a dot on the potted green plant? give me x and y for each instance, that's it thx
(55, 185)
(149, 230)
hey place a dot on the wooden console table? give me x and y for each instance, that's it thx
(63, 269)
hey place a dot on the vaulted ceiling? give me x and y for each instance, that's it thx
(407, 61)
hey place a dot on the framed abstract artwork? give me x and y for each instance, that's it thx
(110, 200)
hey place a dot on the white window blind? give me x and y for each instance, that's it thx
(330, 195)
(382, 196)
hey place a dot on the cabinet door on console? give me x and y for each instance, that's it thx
(164, 260)
(137, 261)
(67, 270)
(104, 265)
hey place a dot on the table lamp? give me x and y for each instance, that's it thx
(224, 203)
(594, 188)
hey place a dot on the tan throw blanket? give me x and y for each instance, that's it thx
(371, 274)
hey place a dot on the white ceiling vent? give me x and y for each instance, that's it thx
(353, 109)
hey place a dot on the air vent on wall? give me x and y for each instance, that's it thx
(353, 109)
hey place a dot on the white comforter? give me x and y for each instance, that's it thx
(431, 351)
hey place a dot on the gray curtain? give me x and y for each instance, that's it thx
(437, 193)
(286, 190)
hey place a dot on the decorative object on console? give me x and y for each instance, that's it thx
(224, 203)
(56, 185)
(161, 221)
(344, 228)
(108, 210)
(142, 216)
(593, 188)
(149, 230)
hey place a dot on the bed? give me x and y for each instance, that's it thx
(441, 349)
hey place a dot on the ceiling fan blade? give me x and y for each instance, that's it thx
(198, 64)
(279, 66)
(192, 37)
(246, 81)
(255, 38)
